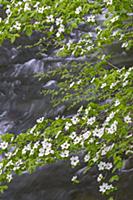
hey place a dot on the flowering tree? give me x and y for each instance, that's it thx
(102, 128)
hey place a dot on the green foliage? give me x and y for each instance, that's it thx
(102, 128)
(102, 131)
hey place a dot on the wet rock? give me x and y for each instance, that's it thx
(52, 182)
(24, 54)
(31, 67)
(5, 58)
(21, 103)
(5, 125)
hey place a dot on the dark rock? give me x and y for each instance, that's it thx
(5, 58)
(5, 126)
(24, 54)
(52, 182)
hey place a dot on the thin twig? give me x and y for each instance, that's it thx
(112, 65)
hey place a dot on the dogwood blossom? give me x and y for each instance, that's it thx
(72, 84)
(99, 178)
(3, 145)
(91, 120)
(36, 145)
(106, 149)
(9, 177)
(74, 178)
(40, 10)
(27, 7)
(64, 154)
(127, 119)
(87, 157)
(113, 84)
(125, 83)
(58, 21)
(114, 19)
(98, 132)
(65, 145)
(46, 144)
(104, 166)
(73, 135)
(124, 45)
(107, 120)
(117, 102)
(17, 25)
(77, 139)
(75, 120)
(40, 120)
(86, 135)
(104, 187)
(61, 28)
(91, 18)
(67, 126)
(41, 152)
(109, 2)
(112, 128)
(50, 18)
(103, 85)
(78, 10)
(74, 161)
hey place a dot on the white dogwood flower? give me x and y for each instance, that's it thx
(114, 19)
(104, 187)
(74, 161)
(27, 7)
(125, 83)
(77, 140)
(99, 178)
(40, 120)
(58, 21)
(65, 145)
(74, 178)
(72, 84)
(91, 18)
(86, 135)
(73, 135)
(78, 10)
(113, 128)
(17, 25)
(40, 10)
(91, 120)
(64, 154)
(124, 45)
(67, 126)
(75, 120)
(87, 157)
(108, 2)
(103, 85)
(50, 18)
(127, 119)
(117, 103)
(104, 166)
(9, 177)
(98, 132)
(3, 145)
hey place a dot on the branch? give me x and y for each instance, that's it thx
(112, 65)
